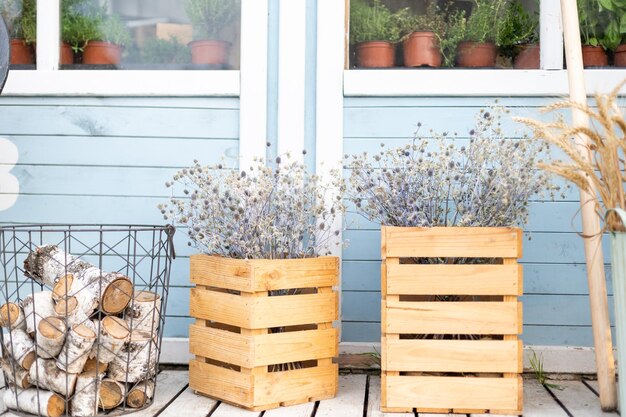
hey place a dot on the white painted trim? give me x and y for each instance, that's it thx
(291, 77)
(253, 99)
(551, 35)
(556, 359)
(458, 82)
(329, 100)
(48, 34)
(122, 83)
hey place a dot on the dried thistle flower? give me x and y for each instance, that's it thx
(269, 213)
(601, 175)
(487, 182)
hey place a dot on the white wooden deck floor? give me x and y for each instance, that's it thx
(359, 396)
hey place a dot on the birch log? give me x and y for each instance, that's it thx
(67, 309)
(144, 312)
(12, 316)
(137, 359)
(20, 347)
(113, 334)
(68, 277)
(37, 306)
(34, 401)
(15, 374)
(85, 401)
(78, 344)
(45, 374)
(93, 365)
(140, 394)
(50, 337)
(110, 394)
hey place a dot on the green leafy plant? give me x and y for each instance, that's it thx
(518, 27)
(432, 20)
(77, 30)
(374, 22)
(615, 29)
(536, 363)
(112, 29)
(210, 17)
(485, 21)
(12, 12)
(596, 25)
(455, 33)
(165, 51)
(28, 21)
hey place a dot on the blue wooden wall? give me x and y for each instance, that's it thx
(556, 308)
(105, 160)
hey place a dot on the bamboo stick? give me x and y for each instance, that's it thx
(591, 223)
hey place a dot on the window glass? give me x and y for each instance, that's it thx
(150, 34)
(444, 33)
(21, 20)
(603, 32)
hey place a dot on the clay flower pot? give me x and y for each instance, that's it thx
(375, 54)
(421, 49)
(21, 52)
(209, 52)
(594, 56)
(619, 59)
(528, 57)
(67, 54)
(102, 53)
(476, 55)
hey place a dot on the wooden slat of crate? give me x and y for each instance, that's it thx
(263, 312)
(462, 393)
(451, 242)
(297, 386)
(261, 350)
(263, 275)
(217, 382)
(454, 279)
(497, 356)
(486, 318)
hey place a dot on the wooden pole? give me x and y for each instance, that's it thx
(591, 223)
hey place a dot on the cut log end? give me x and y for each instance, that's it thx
(11, 316)
(146, 296)
(92, 365)
(115, 327)
(111, 394)
(56, 406)
(84, 331)
(28, 360)
(51, 328)
(66, 306)
(140, 394)
(62, 288)
(117, 295)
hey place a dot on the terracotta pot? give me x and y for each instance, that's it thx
(375, 54)
(209, 52)
(528, 57)
(476, 55)
(21, 52)
(594, 56)
(102, 53)
(619, 59)
(421, 49)
(67, 54)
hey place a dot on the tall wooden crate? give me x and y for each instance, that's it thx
(258, 345)
(428, 361)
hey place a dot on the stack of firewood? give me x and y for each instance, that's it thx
(86, 343)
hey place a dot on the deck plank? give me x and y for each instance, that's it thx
(349, 401)
(579, 400)
(227, 410)
(373, 401)
(189, 404)
(169, 384)
(300, 410)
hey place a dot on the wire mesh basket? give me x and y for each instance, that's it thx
(82, 310)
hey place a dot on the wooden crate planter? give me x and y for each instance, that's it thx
(439, 375)
(236, 349)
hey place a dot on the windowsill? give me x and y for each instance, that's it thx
(472, 82)
(223, 83)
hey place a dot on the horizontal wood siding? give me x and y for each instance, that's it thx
(556, 307)
(105, 160)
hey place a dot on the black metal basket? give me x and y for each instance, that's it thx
(82, 310)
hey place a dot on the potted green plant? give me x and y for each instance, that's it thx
(592, 19)
(165, 51)
(104, 46)
(479, 46)
(79, 20)
(373, 31)
(209, 19)
(519, 36)
(14, 12)
(615, 30)
(421, 45)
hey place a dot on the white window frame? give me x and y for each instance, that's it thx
(48, 80)
(550, 80)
